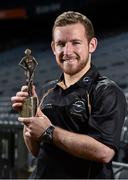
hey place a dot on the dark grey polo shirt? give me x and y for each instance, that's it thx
(69, 109)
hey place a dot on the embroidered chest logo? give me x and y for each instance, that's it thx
(78, 106)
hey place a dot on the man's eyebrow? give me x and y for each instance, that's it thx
(76, 40)
(64, 41)
(59, 42)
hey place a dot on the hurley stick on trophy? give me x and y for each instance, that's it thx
(29, 63)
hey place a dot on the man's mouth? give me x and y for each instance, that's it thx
(69, 60)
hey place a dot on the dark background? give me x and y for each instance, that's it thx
(36, 22)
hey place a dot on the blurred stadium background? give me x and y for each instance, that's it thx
(27, 24)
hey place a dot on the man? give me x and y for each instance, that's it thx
(76, 131)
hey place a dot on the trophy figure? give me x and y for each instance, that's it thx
(29, 63)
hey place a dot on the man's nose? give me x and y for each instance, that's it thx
(68, 49)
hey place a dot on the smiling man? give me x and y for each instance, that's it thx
(76, 131)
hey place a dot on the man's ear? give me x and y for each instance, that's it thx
(53, 47)
(92, 45)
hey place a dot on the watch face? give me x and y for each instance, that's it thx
(46, 138)
(48, 135)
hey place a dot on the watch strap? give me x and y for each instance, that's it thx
(47, 135)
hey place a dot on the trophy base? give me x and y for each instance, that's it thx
(29, 107)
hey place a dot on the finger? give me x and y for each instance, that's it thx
(24, 88)
(17, 105)
(39, 113)
(27, 129)
(27, 134)
(34, 91)
(22, 94)
(25, 121)
(20, 119)
(16, 99)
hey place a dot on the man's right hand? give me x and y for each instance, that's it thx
(17, 101)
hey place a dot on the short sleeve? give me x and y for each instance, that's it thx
(108, 114)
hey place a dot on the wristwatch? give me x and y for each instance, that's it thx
(47, 136)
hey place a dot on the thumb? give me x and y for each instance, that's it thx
(34, 91)
(39, 113)
(35, 94)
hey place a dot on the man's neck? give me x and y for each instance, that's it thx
(72, 79)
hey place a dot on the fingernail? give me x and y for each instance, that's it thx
(20, 118)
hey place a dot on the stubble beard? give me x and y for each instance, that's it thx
(74, 69)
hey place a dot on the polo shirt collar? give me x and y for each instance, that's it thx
(86, 79)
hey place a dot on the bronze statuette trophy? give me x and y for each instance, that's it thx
(29, 63)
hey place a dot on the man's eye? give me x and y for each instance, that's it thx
(76, 42)
(60, 44)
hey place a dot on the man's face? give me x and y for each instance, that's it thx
(71, 48)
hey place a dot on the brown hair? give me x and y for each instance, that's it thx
(71, 17)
